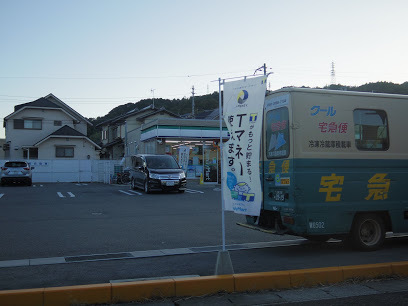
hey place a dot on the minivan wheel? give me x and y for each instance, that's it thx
(368, 232)
(146, 187)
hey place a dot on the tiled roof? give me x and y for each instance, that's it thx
(41, 102)
(67, 131)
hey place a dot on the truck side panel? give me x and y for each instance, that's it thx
(347, 155)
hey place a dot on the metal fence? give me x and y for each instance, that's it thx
(52, 171)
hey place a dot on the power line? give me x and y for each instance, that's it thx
(118, 77)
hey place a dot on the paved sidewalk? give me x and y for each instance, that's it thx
(390, 291)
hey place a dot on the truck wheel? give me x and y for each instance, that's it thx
(368, 232)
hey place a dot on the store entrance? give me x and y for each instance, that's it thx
(203, 158)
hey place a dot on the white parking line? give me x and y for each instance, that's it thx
(193, 191)
(60, 195)
(71, 194)
(135, 192)
(36, 185)
(131, 194)
(1, 195)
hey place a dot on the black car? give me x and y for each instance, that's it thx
(156, 173)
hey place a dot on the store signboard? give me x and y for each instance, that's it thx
(210, 165)
(243, 111)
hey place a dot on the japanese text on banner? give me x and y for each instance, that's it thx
(243, 111)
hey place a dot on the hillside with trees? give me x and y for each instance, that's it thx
(378, 87)
(210, 102)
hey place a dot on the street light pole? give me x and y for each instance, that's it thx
(152, 90)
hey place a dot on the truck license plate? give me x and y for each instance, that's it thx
(279, 196)
(170, 183)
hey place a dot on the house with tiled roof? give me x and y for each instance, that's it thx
(120, 136)
(47, 128)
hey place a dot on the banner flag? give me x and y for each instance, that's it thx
(184, 155)
(243, 113)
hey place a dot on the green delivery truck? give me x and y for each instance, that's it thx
(334, 164)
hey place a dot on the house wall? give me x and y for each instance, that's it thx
(28, 137)
(117, 151)
(82, 148)
(53, 171)
(143, 147)
(2, 153)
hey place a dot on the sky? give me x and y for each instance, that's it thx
(95, 55)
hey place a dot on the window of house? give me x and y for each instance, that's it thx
(61, 151)
(29, 124)
(104, 135)
(371, 130)
(33, 153)
(115, 132)
(57, 122)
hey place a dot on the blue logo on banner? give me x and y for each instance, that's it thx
(242, 96)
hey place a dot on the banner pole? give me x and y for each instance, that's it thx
(221, 160)
(224, 264)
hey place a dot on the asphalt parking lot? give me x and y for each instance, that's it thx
(71, 234)
(69, 219)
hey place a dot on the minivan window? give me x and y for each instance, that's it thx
(277, 133)
(139, 162)
(161, 162)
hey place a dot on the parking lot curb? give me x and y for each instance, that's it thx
(197, 286)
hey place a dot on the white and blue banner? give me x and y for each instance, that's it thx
(243, 111)
(184, 155)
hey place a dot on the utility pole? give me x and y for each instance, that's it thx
(152, 90)
(126, 140)
(192, 112)
(333, 74)
(263, 67)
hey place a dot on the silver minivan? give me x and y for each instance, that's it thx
(157, 173)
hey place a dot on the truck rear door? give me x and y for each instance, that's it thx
(277, 167)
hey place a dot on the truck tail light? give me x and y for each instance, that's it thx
(26, 168)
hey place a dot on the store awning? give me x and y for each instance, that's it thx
(183, 132)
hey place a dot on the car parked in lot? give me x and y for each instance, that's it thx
(156, 173)
(16, 172)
